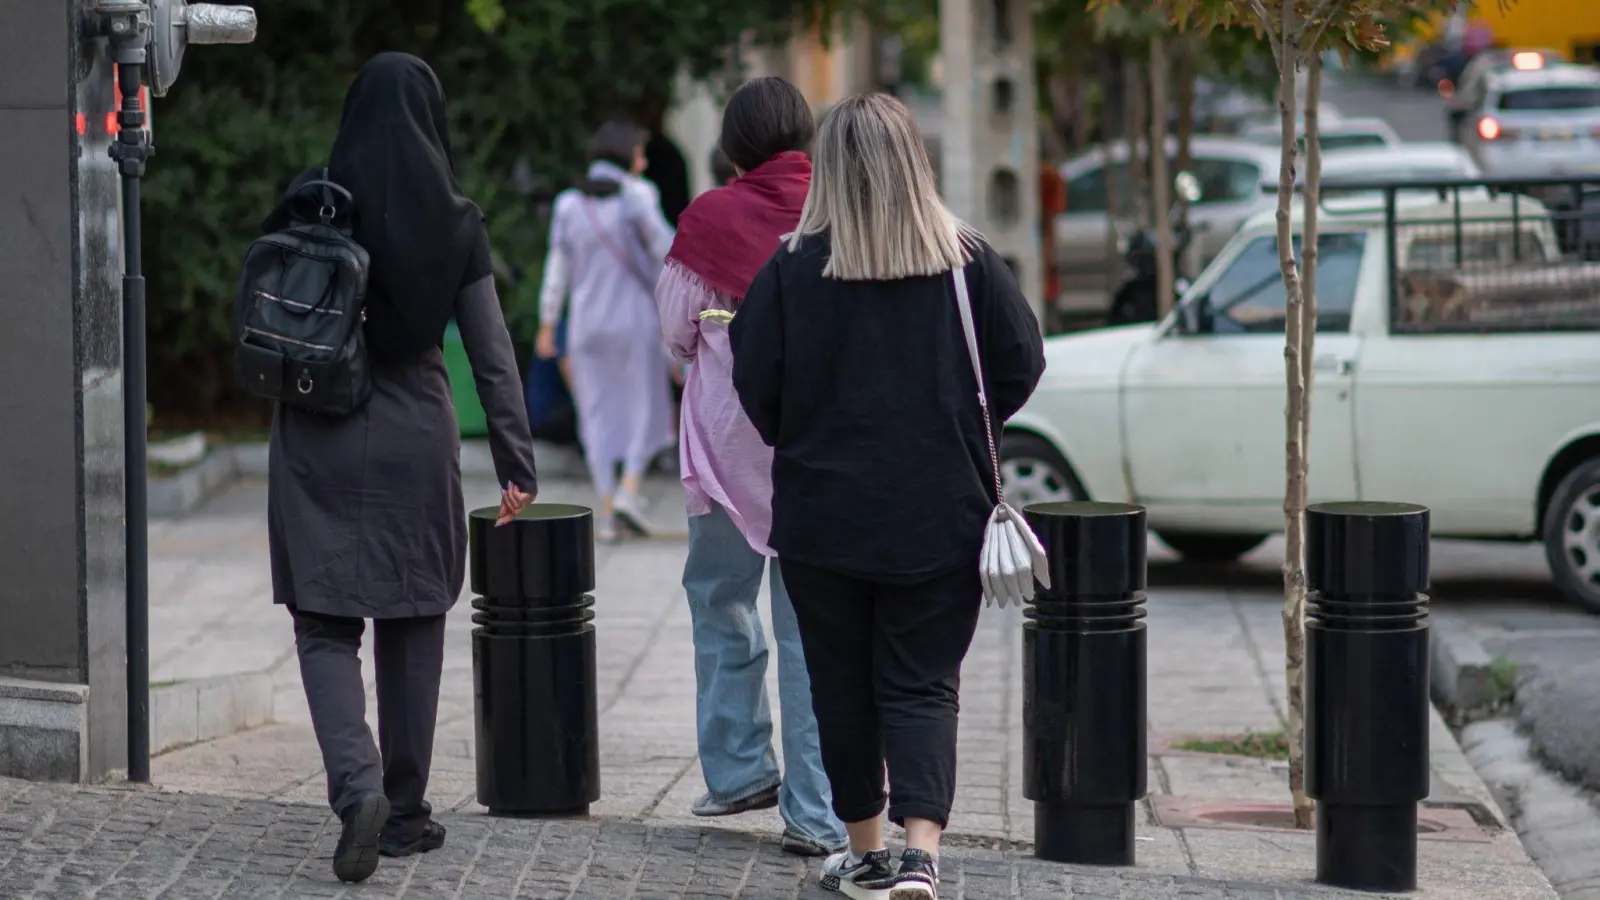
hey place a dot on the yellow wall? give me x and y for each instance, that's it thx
(1571, 26)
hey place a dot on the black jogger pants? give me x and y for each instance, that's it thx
(885, 666)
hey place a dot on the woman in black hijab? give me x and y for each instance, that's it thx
(366, 518)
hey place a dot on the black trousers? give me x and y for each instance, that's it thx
(885, 665)
(409, 656)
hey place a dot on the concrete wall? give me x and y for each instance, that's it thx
(60, 534)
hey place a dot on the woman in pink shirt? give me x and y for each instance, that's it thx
(724, 238)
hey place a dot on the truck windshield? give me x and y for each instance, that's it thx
(1551, 98)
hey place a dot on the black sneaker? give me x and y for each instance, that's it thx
(356, 857)
(864, 877)
(431, 838)
(918, 878)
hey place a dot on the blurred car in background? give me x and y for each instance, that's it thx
(1336, 132)
(1462, 96)
(1412, 161)
(1229, 171)
(1533, 122)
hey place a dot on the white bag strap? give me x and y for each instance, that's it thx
(964, 305)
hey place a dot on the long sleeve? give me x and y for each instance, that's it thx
(494, 368)
(757, 338)
(643, 211)
(681, 297)
(1013, 349)
(557, 281)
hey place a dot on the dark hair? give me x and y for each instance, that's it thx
(616, 142)
(763, 118)
(722, 170)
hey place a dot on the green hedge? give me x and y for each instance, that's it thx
(524, 96)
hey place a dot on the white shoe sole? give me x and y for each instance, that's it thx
(851, 889)
(911, 892)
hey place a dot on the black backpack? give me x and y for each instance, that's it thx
(299, 311)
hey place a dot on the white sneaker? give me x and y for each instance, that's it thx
(867, 877)
(629, 510)
(605, 530)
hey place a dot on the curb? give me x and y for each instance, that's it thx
(1460, 670)
(188, 712)
(222, 466)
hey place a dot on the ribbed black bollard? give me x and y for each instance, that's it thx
(1083, 683)
(1367, 689)
(533, 661)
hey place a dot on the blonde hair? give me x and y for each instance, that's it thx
(874, 191)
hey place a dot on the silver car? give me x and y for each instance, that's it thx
(1536, 123)
(1230, 172)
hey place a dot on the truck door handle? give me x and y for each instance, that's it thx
(1338, 365)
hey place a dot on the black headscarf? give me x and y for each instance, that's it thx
(426, 239)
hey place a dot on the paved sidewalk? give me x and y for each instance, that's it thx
(58, 842)
(1214, 668)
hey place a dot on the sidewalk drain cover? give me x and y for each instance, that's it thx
(1184, 812)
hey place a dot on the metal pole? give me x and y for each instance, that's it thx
(131, 150)
(1083, 683)
(1367, 689)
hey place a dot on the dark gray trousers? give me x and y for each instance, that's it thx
(409, 656)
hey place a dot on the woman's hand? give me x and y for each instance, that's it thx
(512, 501)
(545, 344)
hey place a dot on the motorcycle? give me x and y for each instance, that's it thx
(1135, 300)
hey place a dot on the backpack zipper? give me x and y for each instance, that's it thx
(288, 340)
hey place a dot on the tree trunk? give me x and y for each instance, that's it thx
(1116, 89)
(1114, 265)
(1185, 74)
(1134, 129)
(1160, 178)
(1311, 196)
(1294, 497)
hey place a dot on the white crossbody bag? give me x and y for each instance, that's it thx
(1012, 557)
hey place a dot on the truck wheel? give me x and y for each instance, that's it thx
(1033, 471)
(1572, 535)
(1212, 548)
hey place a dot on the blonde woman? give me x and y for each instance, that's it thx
(849, 359)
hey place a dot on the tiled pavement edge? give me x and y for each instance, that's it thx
(58, 842)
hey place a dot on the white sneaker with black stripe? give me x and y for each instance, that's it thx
(864, 877)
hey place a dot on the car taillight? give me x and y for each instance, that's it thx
(1490, 129)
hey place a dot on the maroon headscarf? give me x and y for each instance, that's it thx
(727, 234)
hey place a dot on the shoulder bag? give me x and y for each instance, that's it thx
(1012, 557)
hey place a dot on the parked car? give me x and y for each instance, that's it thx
(1229, 171)
(1531, 123)
(1413, 161)
(1462, 97)
(1339, 133)
(1470, 383)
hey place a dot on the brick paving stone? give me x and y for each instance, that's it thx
(64, 842)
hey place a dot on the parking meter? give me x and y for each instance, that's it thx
(145, 42)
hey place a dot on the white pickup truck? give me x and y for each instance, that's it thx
(1465, 378)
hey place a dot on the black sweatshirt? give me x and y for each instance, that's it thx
(865, 390)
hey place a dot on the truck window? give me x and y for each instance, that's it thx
(1249, 296)
(1550, 98)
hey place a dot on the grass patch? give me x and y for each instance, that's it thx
(1257, 744)
(158, 469)
(1502, 678)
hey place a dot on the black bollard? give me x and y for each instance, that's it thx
(533, 661)
(1367, 689)
(1083, 683)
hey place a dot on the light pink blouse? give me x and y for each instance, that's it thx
(722, 458)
